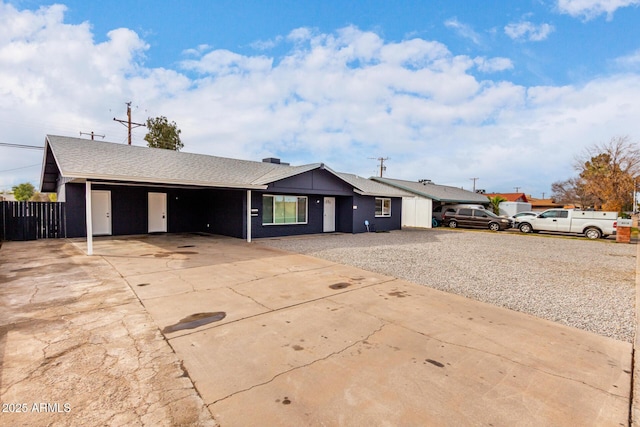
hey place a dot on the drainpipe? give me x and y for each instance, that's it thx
(89, 221)
(248, 216)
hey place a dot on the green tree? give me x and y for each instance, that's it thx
(609, 172)
(495, 203)
(162, 134)
(23, 191)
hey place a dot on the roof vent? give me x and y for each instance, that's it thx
(274, 161)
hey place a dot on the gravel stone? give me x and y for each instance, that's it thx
(573, 281)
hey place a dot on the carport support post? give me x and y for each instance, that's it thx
(248, 216)
(89, 222)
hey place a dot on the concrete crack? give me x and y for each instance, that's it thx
(335, 353)
(250, 297)
(512, 361)
(309, 301)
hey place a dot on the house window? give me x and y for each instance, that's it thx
(284, 210)
(383, 207)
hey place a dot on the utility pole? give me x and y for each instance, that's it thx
(474, 183)
(92, 135)
(382, 166)
(517, 189)
(130, 125)
(543, 195)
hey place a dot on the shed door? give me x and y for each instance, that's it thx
(329, 221)
(101, 212)
(157, 212)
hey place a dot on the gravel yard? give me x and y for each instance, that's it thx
(577, 282)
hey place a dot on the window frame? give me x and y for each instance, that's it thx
(382, 213)
(283, 200)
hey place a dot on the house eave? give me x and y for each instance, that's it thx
(108, 179)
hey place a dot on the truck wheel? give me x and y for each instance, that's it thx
(453, 224)
(494, 226)
(592, 233)
(525, 227)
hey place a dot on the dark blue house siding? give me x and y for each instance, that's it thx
(318, 181)
(313, 225)
(224, 211)
(367, 212)
(75, 205)
(315, 185)
(188, 210)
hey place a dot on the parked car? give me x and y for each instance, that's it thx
(474, 218)
(437, 212)
(515, 219)
(593, 225)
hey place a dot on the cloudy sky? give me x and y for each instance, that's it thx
(509, 92)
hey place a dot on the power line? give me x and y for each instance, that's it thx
(32, 147)
(23, 167)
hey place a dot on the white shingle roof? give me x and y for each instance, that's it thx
(82, 158)
(368, 187)
(441, 193)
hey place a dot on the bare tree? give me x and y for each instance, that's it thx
(609, 172)
(572, 192)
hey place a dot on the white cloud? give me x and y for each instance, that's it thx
(197, 51)
(526, 30)
(267, 44)
(337, 98)
(629, 62)
(463, 30)
(589, 9)
(490, 65)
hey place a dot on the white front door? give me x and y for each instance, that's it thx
(101, 212)
(329, 221)
(157, 212)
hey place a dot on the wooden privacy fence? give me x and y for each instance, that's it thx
(32, 220)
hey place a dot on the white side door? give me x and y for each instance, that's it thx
(329, 219)
(409, 212)
(157, 212)
(101, 212)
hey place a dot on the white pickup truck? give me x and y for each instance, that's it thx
(593, 224)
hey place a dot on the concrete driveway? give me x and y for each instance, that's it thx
(274, 338)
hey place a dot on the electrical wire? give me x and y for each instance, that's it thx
(23, 167)
(32, 147)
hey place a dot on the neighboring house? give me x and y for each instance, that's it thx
(543, 204)
(425, 196)
(139, 190)
(510, 197)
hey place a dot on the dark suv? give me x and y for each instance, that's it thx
(474, 218)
